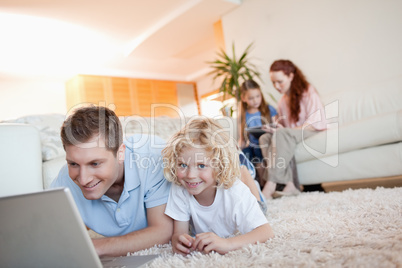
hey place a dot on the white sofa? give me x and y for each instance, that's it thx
(364, 141)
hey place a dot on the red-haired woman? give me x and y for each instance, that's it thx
(301, 113)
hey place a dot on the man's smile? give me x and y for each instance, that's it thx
(91, 186)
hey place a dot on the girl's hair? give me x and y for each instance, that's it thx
(265, 113)
(207, 134)
(298, 85)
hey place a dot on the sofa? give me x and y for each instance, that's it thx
(363, 141)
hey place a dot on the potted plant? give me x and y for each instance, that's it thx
(233, 72)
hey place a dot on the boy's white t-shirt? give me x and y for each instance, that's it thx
(233, 210)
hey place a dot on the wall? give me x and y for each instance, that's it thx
(339, 44)
(186, 97)
(20, 97)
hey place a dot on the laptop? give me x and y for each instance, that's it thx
(45, 229)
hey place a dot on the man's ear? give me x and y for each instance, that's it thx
(121, 152)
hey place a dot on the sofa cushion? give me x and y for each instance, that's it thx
(359, 102)
(20, 158)
(49, 131)
(368, 132)
(51, 169)
(164, 127)
(373, 162)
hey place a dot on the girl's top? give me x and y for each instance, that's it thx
(233, 210)
(254, 120)
(311, 110)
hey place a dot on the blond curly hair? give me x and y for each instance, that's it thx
(208, 134)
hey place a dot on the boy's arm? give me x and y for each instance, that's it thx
(208, 242)
(181, 240)
(249, 181)
(260, 234)
(159, 231)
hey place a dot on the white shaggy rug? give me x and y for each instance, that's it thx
(354, 228)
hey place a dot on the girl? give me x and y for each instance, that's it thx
(302, 114)
(254, 113)
(206, 195)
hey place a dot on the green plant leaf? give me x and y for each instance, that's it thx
(233, 72)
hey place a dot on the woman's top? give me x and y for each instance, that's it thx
(311, 111)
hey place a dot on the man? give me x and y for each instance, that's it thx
(118, 196)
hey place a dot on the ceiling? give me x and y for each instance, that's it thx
(159, 39)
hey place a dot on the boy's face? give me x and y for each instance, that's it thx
(195, 172)
(95, 169)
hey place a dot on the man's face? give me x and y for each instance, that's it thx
(93, 168)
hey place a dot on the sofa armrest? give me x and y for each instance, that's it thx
(51, 169)
(20, 159)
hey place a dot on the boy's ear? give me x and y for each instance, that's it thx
(121, 152)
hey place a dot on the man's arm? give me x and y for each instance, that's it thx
(159, 231)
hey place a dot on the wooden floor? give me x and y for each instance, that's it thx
(386, 182)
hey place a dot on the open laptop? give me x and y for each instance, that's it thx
(45, 229)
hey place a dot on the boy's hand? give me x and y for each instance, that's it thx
(207, 242)
(182, 243)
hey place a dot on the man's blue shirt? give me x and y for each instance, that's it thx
(144, 187)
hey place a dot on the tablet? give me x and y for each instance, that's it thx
(258, 131)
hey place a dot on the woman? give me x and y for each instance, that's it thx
(301, 115)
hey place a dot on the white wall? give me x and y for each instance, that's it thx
(338, 44)
(186, 99)
(20, 97)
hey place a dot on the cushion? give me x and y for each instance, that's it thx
(373, 162)
(49, 131)
(164, 127)
(368, 132)
(358, 102)
(20, 157)
(50, 170)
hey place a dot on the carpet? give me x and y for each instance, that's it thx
(354, 228)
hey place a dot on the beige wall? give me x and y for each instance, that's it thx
(339, 44)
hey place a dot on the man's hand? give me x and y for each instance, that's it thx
(98, 242)
(159, 231)
(207, 242)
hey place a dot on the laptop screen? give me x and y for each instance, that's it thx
(44, 229)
